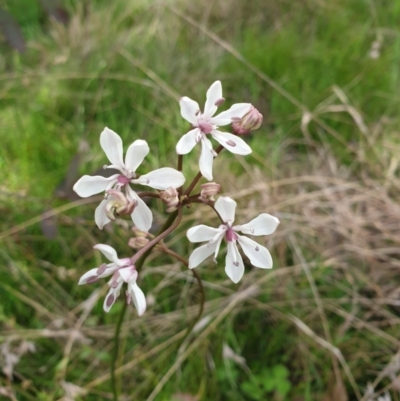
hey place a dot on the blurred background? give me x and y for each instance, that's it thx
(324, 323)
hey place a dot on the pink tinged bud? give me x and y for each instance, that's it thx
(251, 121)
(171, 198)
(230, 235)
(209, 190)
(119, 204)
(219, 102)
(138, 242)
(206, 128)
(101, 269)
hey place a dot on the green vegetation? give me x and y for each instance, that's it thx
(324, 322)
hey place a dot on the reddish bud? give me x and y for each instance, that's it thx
(251, 121)
(171, 198)
(209, 190)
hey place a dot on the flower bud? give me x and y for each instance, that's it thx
(251, 121)
(118, 204)
(171, 198)
(209, 190)
(138, 242)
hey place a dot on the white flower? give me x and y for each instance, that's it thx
(123, 271)
(385, 397)
(259, 256)
(204, 124)
(162, 179)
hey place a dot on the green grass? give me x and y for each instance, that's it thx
(124, 66)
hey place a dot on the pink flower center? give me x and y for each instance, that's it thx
(206, 128)
(230, 235)
(123, 179)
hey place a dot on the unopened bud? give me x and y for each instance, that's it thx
(139, 233)
(171, 198)
(138, 242)
(251, 121)
(118, 204)
(209, 190)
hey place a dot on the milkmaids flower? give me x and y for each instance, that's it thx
(205, 124)
(259, 256)
(122, 271)
(162, 179)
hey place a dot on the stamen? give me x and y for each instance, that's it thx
(231, 143)
(91, 279)
(257, 248)
(197, 112)
(219, 102)
(236, 263)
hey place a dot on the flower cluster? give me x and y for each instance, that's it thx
(121, 199)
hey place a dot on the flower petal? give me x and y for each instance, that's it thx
(226, 208)
(237, 110)
(202, 233)
(206, 159)
(214, 94)
(90, 185)
(231, 142)
(111, 297)
(234, 266)
(111, 143)
(201, 253)
(109, 252)
(128, 274)
(100, 216)
(141, 216)
(188, 141)
(90, 275)
(162, 178)
(138, 298)
(259, 255)
(135, 154)
(264, 224)
(189, 109)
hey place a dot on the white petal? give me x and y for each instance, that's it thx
(234, 266)
(259, 255)
(226, 208)
(238, 110)
(109, 252)
(141, 216)
(135, 154)
(189, 109)
(264, 224)
(100, 216)
(110, 298)
(201, 253)
(202, 233)
(93, 273)
(214, 93)
(231, 142)
(89, 274)
(89, 185)
(206, 159)
(188, 142)
(162, 178)
(138, 298)
(111, 143)
(128, 274)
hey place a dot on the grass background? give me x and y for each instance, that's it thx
(324, 323)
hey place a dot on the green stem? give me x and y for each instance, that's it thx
(164, 231)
